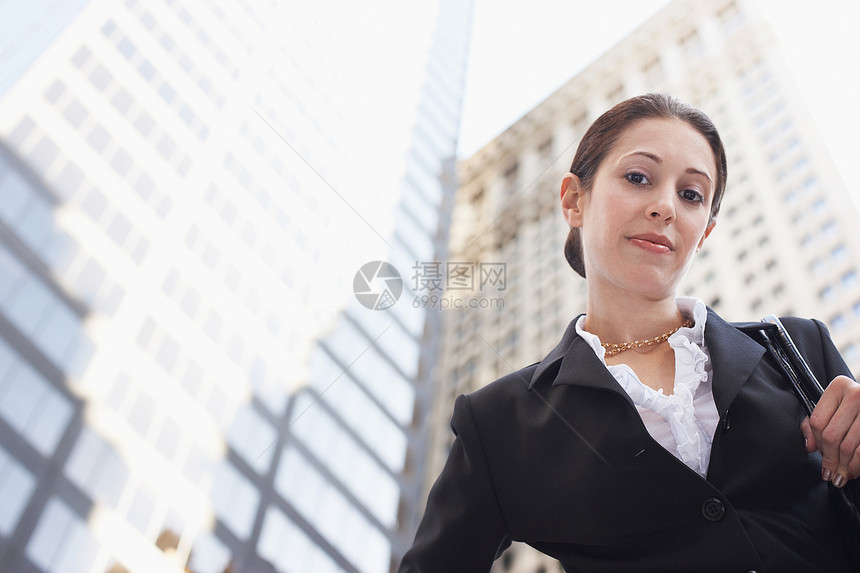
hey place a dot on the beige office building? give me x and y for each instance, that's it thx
(785, 242)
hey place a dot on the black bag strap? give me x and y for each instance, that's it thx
(771, 334)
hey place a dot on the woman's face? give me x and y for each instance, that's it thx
(647, 212)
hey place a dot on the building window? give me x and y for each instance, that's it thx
(142, 412)
(279, 532)
(210, 554)
(839, 253)
(838, 322)
(44, 154)
(328, 510)
(35, 310)
(31, 405)
(817, 266)
(81, 57)
(580, 122)
(101, 78)
(61, 537)
(652, 70)
(512, 177)
(16, 486)
(692, 43)
(95, 467)
(99, 138)
(730, 17)
(545, 148)
(235, 499)
(54, 92)
(140, 511)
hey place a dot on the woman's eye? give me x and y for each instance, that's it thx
(692, 196)
(636, 178)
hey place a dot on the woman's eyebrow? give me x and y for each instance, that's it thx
(657, 159)
(694, 171)
(650, 156)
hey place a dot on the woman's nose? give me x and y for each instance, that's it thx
(662, 205)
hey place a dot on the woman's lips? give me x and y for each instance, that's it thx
(652, 244)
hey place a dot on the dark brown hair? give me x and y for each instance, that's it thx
(605, 131)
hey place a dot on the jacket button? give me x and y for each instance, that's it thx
(713, 509)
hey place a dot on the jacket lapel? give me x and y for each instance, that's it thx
(549, 365)
(573, 362)
(734, 357)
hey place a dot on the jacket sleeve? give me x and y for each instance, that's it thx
(463, 528)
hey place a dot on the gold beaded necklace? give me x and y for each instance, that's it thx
(613, 348)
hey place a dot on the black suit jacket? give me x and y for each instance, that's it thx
(557, 456)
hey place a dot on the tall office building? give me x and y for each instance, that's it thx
(187, 191)
(784, 242)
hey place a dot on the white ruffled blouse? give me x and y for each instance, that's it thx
(684, 422)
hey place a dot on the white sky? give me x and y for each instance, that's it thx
(522, 50)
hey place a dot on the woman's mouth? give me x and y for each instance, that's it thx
(653, 243)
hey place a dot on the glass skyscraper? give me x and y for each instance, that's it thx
(187, 191)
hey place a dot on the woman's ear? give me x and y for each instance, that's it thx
(573, 200)
(711, 224)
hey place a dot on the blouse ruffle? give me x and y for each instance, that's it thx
(691, 399)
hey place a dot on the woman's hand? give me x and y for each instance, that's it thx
(834, 428)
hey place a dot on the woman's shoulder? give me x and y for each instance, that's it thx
(808, 327)
(518, 383)
(811, 325)
(812, 339)
(499, 399)
(802, 330)
(508, 387)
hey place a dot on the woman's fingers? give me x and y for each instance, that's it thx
(835, 430)
(808, 435)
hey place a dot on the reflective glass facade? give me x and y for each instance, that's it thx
(187, 190)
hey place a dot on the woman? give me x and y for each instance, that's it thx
(654, 437)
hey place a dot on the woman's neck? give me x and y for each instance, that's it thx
(626, 318)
